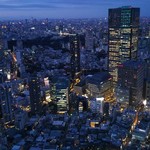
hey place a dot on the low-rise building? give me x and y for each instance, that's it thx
(141, 131)
(100, 85)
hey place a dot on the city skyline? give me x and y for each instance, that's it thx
(81, 82)
(16, 9)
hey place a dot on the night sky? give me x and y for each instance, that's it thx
(10, 9)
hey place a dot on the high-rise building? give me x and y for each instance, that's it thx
(1, 46)
(89, 40)
(75, 53)
(35, 95)
(122, 36)
(6, 101)
(60, 93)
(21, 117)
(131, 78)
(148, 90)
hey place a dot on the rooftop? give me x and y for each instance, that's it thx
(131, 64)
(98, 77)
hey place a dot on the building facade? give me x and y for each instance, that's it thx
(131, 80)
(148, 90)
(35, 95)
(89, 40)
(6, 102)
(122, 37)
(100, 85)
(60, 93)
(75, 53)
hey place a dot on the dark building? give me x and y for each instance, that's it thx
(147, 89)
(35, 95)
(73, 106)
(146, 93)
(1, 46)
(75, 53)
(81, 100)
(6, 102)
(131, 78)
(106, 109)
(122, 36)
(147, 67)
(2, 77)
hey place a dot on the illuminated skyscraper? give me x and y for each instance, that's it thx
(123, 37)
(75, 53)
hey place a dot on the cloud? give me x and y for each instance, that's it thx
(21, 4)
(26, 6)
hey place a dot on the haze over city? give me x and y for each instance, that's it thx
(65, 8)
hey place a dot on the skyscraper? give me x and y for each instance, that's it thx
(148, 90)
(1, 46)
(75, 53)
(131, 78)
(123, 37)
(6, 102)
(89, 40)
(35, 95)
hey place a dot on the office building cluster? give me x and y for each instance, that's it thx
(76, 84)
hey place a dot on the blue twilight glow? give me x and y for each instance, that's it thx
(66, 8)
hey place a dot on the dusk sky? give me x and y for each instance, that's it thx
(10, 9)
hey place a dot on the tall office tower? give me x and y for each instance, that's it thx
(2, 58)
(131, 78)
(60, 93)
(20, 64)
(122, 36)
(147, 67)
(89, 40)
(6, 101)
(1, 45)
(147, 94)
(75, 54)
(35, 95)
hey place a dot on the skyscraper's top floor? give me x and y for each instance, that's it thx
(125, 16)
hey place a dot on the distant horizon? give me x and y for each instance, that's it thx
(59, 9)
(20, 18)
